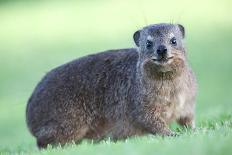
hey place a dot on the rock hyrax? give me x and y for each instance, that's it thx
(117, 93)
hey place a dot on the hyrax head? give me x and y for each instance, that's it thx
(161, 46)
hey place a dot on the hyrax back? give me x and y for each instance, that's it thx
(117, 93)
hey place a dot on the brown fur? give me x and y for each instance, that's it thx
(117, 94)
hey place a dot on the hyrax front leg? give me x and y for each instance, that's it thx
(153, 122)
(187, 121)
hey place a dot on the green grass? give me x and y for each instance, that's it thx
(213, 138)
(38, 36)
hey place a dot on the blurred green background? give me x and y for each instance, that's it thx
(36, 36)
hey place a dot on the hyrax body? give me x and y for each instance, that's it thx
(117, 93)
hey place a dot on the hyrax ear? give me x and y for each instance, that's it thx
(136, 37)
(182, 30)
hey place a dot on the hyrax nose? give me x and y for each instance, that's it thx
(162, 50)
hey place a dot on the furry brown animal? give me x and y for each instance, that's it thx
(117, 93)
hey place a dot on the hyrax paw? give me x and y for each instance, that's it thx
(174, 134)
(169, 133)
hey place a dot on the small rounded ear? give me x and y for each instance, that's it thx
(182, 30)
(136, 37)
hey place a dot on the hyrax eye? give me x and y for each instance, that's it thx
(173, 41)
(149, 44)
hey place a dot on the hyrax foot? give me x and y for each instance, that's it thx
(167, 132)
(59, 135)
(43, 143)
(187, 122)
(46, 135)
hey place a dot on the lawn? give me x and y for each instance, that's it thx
(36, 36)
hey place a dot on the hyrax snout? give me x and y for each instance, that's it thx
(117, 93)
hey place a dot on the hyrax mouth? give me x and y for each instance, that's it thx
(162, 59)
